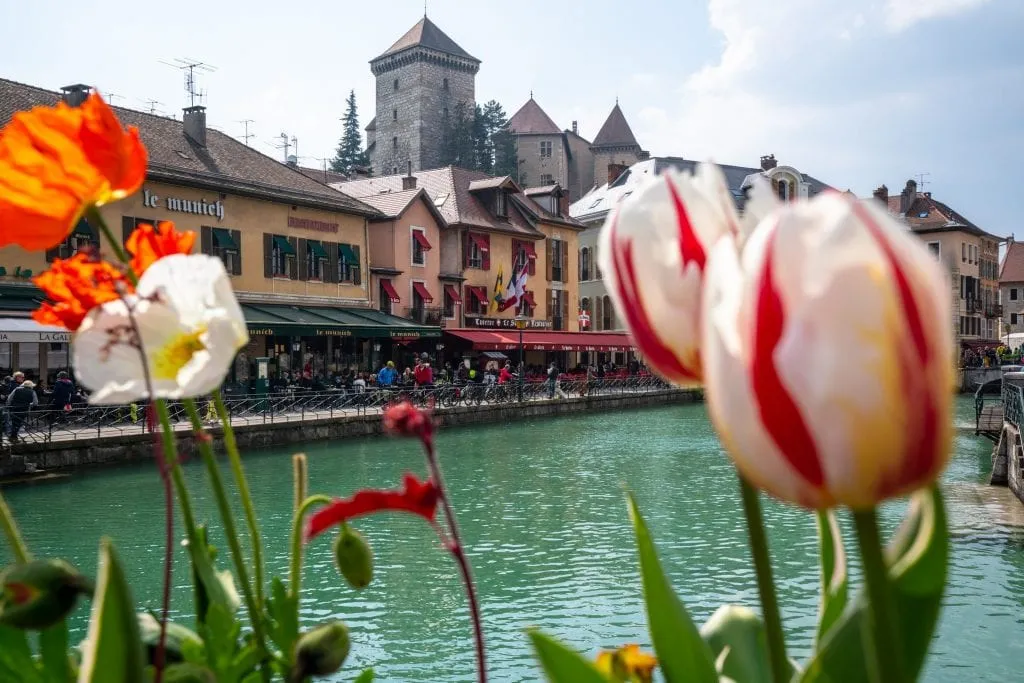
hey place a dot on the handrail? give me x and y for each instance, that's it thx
(1013, 403)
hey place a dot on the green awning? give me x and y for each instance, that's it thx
(83, 229)
(317, 248)
(347, 254)
(284, 245)
(222, 238)
(324, 321)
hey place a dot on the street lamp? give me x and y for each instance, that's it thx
(521, 321)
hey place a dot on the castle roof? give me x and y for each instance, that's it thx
(616, 131)
(426, 34)
(531, 119)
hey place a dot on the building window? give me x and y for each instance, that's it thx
(476, 257)
(558, 260)
(316, 260)
(585, 264)
(394, 114)
(225, 244)
(526, 304)
(963, 252)
(935, 249)
(478, 251)
(446, 112)
(280, 253)
(396, 85)
(449, 303)
(84, 236)
(394, 170)
(557, 314)
(384, 295)
(545, 149)
(546, 179)
(419, 246)
(445, 84)
(500, 204)
(783, 190)
(475, 300)
(348, 264)
(608, 322)
(1013, 293)
(394, 145)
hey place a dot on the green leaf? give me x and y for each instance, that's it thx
(561, 664)
(833, 572)
(188, 673)
(212, 587)
(918, 558)
(737, 638)
(365, 677)
(53, 651)
(282, 619)
(683, 656)
(245, 662)
(220, 635)
(113, 649)
(16, 663)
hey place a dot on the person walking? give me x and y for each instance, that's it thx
(60, 397)
(387, 376)
(19, 403)
(552, 378)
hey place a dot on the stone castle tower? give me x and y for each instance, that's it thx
(420, 81)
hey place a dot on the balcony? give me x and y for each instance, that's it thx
(993, 310)
(425, 315)
(973, 306)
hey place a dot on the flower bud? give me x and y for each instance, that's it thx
(354, 557)
(320, 652)
(36, 595)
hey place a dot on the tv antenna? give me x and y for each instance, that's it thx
(247, 135)
(285, 144)
(111, 96)
(189, 67)
(921, 180)
(152, 105)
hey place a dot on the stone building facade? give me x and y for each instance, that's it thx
(420, 81)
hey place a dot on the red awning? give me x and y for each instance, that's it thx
(481, 294)
(421, 289)
(534, 340)
(528, 296)
(530, 251)
(421, 239)
(480, 242)
(389, 289)
(453, 293)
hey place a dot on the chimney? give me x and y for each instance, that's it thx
(614, 171)
(768, 162)
(908, 196)
(75, 95)
(194, 120)
(292, 161)
(563, 205)
(644, 155)
(575, 128)
(409, 181)
(882, 195)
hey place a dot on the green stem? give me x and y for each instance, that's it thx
(231, 447)
(295, 578)
(14, 539)
(92, 214)
(765, 582)
(885, 629)
(177, 478)
(217, 484)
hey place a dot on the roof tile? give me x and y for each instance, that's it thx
(616, 131)
(532, 120)
(1012, 269)
(426, 34)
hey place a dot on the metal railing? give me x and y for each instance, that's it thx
(85, 422)
(993, 310)
(1013, 403)
(425, 315)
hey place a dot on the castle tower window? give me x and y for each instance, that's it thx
(446, 84)
(396, 85)
(394, 142)
(394, 114)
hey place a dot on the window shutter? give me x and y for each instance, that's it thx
(57, 252)
(487, 254)
(533, 261)
(332, 262)
(127, 228)
(565, 262)
(236, 235)
(563, 306)
(548, 258)
(357, 271)
(467, 299)
(596, 318)
(547, 304)
(268, 255)
(465, 249)
(293, 265)
(206, 239)
(579, 266)
(302, 256)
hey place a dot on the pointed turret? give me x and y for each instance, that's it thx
(615, 132)
(532, 120)
(426, 34)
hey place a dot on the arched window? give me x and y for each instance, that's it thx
(585, 266)
(784, 190)
(608, 322)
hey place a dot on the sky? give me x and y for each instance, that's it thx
(853, 92)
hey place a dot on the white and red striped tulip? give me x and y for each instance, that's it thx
(653, 252)
(828, 355)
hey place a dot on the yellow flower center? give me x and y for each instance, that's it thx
(175, 354)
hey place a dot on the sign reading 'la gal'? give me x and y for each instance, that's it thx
(202, 207)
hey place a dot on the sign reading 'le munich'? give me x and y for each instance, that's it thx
(201, 207)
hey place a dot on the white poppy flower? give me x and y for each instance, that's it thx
(186, 321)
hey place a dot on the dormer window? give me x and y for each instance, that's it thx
(500, 204)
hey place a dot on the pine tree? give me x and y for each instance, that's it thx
(459, 146)
(479, 139)
(350, 152)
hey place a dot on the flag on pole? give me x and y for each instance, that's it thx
(511, 296)
(499, 290)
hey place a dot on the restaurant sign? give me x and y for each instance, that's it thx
(507, 323)
(310, 224)
(201, 207)
(38, 337)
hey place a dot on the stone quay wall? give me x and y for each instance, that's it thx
(63, 455)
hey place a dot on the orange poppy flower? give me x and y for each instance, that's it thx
(55, 162)
(147, 244)
(75, 286)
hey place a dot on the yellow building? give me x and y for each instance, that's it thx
(296, 250)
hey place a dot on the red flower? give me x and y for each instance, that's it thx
(148, 244)
(407, 420)
(75, 286)
(416, 497)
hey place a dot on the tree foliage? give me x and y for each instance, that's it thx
(478, 138)
(350, 154)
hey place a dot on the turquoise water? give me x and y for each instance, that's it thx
(541, 509)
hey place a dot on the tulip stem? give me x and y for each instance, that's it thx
(765, 583)
(231, 447)
(93, 216)
(14, 539)
(224, 507)
(295, 577)
(884, 642)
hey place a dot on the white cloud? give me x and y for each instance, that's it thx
(901, 14)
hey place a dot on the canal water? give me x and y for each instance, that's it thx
(541, 509)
